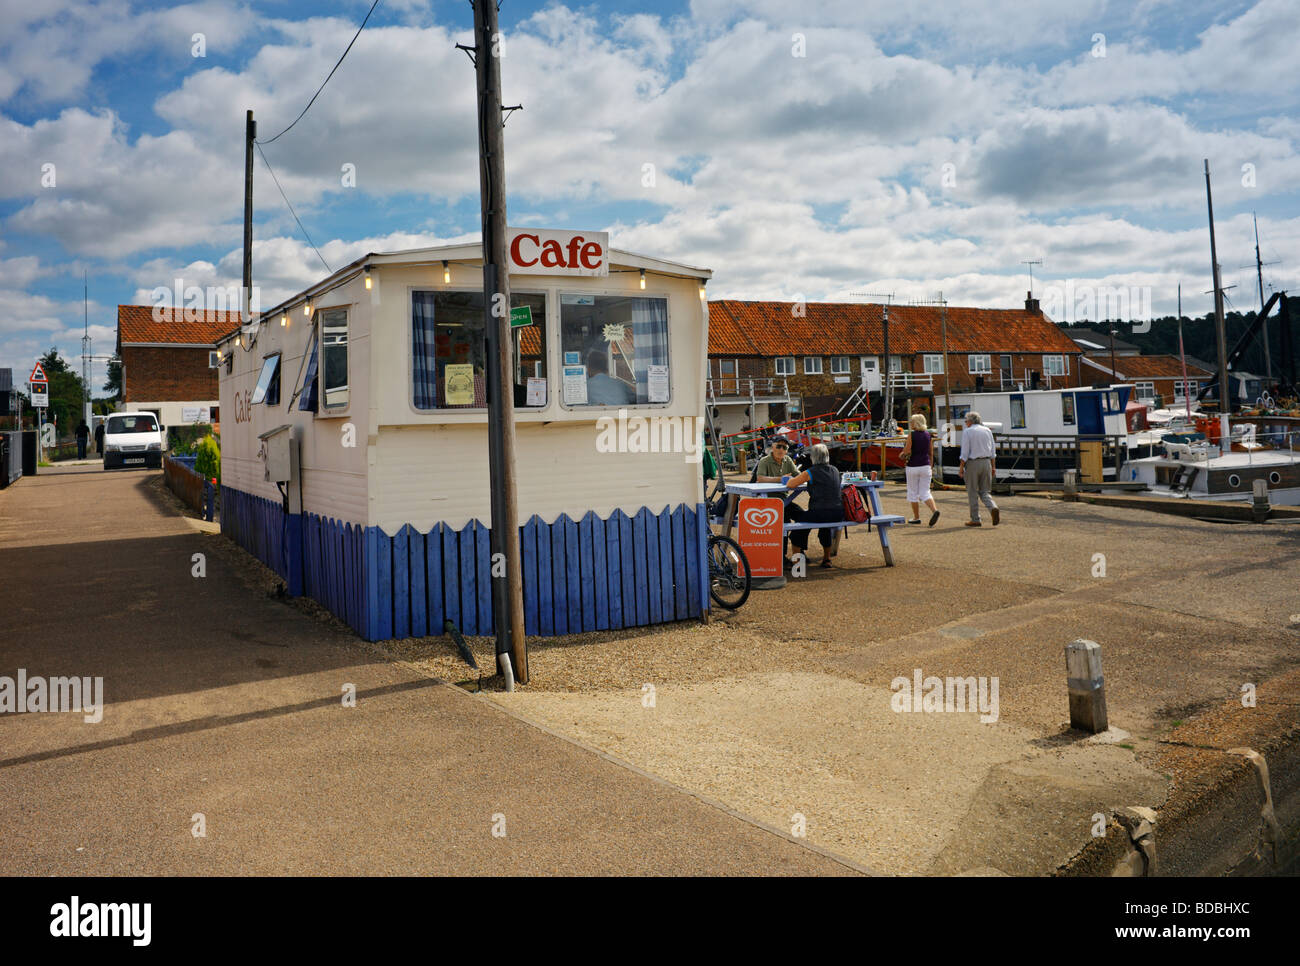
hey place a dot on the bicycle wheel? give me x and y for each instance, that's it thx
(728, 572)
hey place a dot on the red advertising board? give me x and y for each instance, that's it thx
(761, 522)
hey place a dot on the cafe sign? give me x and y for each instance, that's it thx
(542, 251)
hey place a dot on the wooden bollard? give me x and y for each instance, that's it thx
(1087, 686)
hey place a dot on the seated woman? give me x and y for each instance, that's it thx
(824, 502)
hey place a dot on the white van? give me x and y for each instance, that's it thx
(132, 439)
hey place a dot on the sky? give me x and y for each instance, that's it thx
(816, 151)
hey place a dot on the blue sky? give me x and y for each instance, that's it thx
(856, 146)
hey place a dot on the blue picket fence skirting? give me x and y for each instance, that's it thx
(578, 575)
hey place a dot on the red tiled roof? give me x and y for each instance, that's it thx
(1150, 367)
(136, 324)
(856, 328)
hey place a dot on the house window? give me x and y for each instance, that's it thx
(1054, 365)
(978, 364)
(214, 358)
(268, 382)
(1067, 408)
(895, 363)
(785, 366)
(839, 365)
(449, 350)
(1146, 390)
(812, 365)
(615, 350)
(1017, 412)
(334, 358)
(727, 367)
(933, 364)
(1188, 388)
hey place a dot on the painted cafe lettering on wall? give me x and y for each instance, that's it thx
(540, 251)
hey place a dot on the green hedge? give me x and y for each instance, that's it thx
(208, 464)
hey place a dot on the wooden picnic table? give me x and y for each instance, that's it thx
(882, 521)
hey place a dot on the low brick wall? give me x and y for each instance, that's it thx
(184, 482)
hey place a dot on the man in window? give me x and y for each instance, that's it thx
(602, 388)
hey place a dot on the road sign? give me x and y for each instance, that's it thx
(520, 316)
(38, 374)
(40, 394)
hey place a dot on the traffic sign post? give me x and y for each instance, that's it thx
(39, 385)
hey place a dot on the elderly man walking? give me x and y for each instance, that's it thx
(977, 452)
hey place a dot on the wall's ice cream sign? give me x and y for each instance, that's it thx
(540, 251)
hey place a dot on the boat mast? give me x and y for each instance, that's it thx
(1225, 398)
(1259, 273)
(1182, 356)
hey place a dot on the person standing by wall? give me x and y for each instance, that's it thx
(917, 452)
(977, 452)
(99, 438)
(83, 437)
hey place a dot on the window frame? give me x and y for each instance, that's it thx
(1070, 418)
(932, 357)
(810, 372)
(1017, 398)
(1137, 389)
(988, 364)
(1064, 363)
(549, 303)
(790, 360)
(557, 293)
(323, 410)
(276, 360)
(840, 359)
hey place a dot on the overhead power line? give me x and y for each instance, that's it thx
(291, 211)
(327, 78)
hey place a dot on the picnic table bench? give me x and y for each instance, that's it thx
(882, 521)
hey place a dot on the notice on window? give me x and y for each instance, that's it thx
(575, 386)
(615, 332)
(459, 384)
(657, 383)
(536, 391)
(189, 414)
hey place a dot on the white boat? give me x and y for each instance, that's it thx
(1202, 470)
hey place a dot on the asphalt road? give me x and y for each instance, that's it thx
(224, 713)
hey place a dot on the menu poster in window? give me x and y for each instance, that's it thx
(657, 383)
(575, 386)
(459, 381)
(536, 391)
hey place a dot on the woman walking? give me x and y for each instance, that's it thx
(917, 451)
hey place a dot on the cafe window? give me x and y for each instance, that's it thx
(615, 350)
(812, 365)
(1017, 412)
(839, 365)
(785, 366)
(334, 358)
(268, 382)
(978, 365)
(1054, 365)
(933, 364)
(449, 350)
(1067, 408)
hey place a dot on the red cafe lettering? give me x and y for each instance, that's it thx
(537, 251)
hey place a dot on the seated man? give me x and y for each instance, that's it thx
(776, 463)
(602, 388)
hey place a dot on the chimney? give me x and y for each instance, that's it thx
(1031, 303)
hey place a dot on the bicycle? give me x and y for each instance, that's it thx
(728, 572)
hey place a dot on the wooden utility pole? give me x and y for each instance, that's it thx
(507, 580)
(1225, 393)
(250, 135)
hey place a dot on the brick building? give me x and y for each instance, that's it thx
(168, 364)
(779, 360)
(1155, 378)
